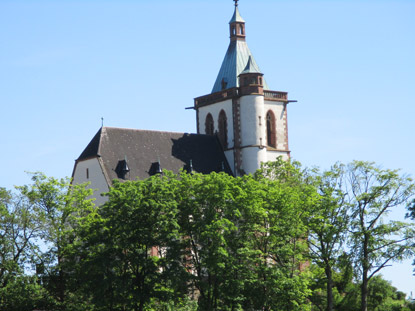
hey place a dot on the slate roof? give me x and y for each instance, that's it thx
(142, 149)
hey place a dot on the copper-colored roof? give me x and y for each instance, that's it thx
(235, 61)
(236, 17)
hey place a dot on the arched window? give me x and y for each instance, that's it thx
(223, 129)
(209, 127)
(271, 133)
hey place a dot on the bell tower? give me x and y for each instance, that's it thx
(237, 25)
(249, 119)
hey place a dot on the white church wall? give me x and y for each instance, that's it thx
(273, 155)
(252, 158)
(278, 109)
(252, 131)
(214, 110)
(90, 171)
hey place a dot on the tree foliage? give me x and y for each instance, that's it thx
(376, 241)
(356, 201)
(33, 222)
(230, 243)
(272, 241)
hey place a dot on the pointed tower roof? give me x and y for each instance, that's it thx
(251, 67)
(237, 56)
(236, 16)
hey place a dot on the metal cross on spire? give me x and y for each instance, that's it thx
(236, 2)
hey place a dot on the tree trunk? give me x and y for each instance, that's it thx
(364, 292)
(365, 270)
(329, 276)
(61, 280)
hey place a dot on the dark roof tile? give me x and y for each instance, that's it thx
(142, 148)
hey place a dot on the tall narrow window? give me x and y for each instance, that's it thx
(223, 129)
(271, 133)
(209, 127)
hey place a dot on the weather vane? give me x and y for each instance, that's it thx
(236, 2)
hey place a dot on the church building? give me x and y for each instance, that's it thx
(240, 124)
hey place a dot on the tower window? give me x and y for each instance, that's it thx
(223, 129)
(209, 126)
(271, 132)
(241, 29)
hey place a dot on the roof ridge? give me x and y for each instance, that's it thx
(144, 130)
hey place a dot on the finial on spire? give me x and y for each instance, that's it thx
(236, 2)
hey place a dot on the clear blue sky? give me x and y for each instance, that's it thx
(65, 64)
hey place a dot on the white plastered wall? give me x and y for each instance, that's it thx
(273, 155)
(252, 132)
(214, 110)
(95, 177)
(252, 158)
(253, 110)
(278, 109)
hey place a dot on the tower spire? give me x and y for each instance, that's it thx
(237, 25)
(237, 55)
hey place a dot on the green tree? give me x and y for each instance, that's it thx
(231, 243)
(20, 226)
(281, 236)
(24, 293)
(382, 296)
(56, 202)
(210, 213)
(327, 225)
(127, 252)
(376, 241)
(33, 220)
